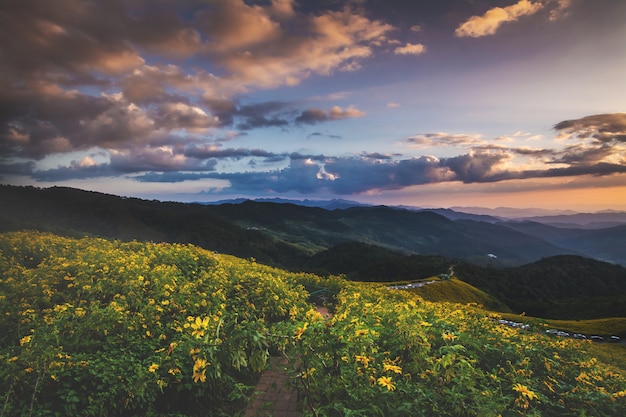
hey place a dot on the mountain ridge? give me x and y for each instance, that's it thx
(375, 243)
(286, 233)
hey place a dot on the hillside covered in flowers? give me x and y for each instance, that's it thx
(95, 327)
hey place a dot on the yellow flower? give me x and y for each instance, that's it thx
(392, 368)
(199, 370)
(385, 381)
(524, 391)
(449, 337)
(199, 364)
(299, 332)
(153, 368)
(24, 340)
(307, 373)
(199, 327)
(199, 376)
(620, 394)
(363, 359)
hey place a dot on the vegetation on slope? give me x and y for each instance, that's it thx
(91, 327)
(456, 291)
(561, 287)
(278, 234)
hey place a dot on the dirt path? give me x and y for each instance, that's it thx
(274, 395)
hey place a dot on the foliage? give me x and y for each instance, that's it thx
(91, 327)
(389, 353)
(560, 287)
(457, 291)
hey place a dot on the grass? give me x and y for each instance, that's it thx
(456, 291)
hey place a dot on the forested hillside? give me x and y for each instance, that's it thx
(279, 234)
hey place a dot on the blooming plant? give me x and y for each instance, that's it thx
(91, 327)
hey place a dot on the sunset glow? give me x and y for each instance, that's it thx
(490, 103)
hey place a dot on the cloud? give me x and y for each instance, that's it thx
(476, 166)
(415, 28)
(368, 172)
(410, 49)
(561, 10)
(604, 128)
(317, 115)
(444, 139)
(16, 168)
(265, 114)
(172, 116)
(60, 53)
(171, 177)
(320, 134)
(393, 105)
(287, 53)
(212, 151)
(488, 24)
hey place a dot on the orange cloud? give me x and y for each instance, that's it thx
(410, 49)
(488, 24)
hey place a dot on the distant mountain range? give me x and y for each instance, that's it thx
(558, 218)
(528, 265)
(336, 203)
(279, 231)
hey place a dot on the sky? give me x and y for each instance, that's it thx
(444, 103)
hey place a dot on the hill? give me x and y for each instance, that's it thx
(456, 291)
(564, 287)
(607, 243)
(406, 231)
(275, 233)
(74, 212)
(560, 287)
(96, 327)
(362, 243)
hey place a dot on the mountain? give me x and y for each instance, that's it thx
(512, 213)
(527, 266)
(73, 212)
(336, 203)
(405, 231)
(284, 234)
(607, 244)
(560, 287)
(598, 220)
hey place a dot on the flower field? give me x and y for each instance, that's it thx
(92, 327)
